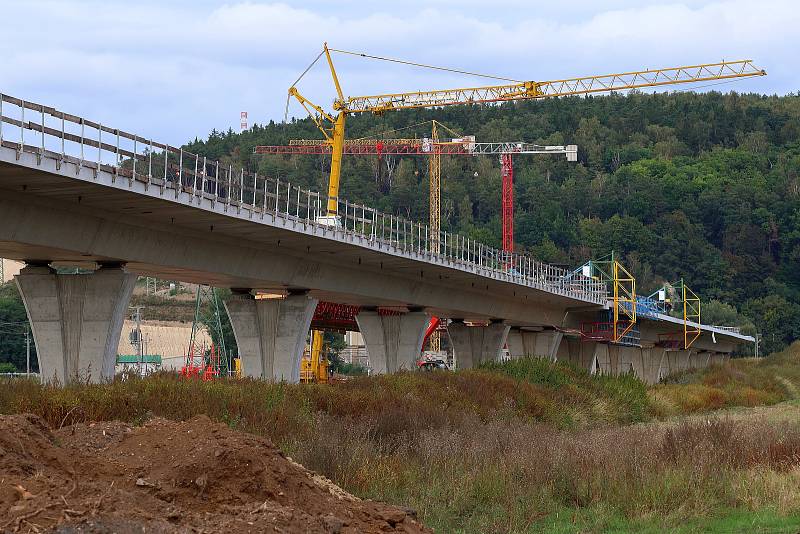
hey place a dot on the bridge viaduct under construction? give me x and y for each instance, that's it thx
(75, 192)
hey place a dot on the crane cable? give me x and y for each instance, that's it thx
(288, 97)
(375, 136)
(434, 67)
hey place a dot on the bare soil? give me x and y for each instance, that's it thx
(169, 477)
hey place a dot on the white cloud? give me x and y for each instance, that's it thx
(175, 70)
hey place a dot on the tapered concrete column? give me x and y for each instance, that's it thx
(699, 359)
(473, 345)
(271, 334)
(582, 353)
(676, 361)
(622, 358)
(76, 320)
(393, 342)
(718, 358)
(543, 344)
(602, 359)
(647, 364)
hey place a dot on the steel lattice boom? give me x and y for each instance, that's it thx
(421, 147)
(530, 90)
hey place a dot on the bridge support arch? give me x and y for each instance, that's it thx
(76, 320)
(394, 342)
(271, 334)
(473, 345)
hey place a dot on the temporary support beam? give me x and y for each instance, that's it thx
(394, 342)
(76, 320)
(271, 334)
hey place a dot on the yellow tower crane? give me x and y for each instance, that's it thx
(332, 125)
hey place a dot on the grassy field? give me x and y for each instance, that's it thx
(525, 446)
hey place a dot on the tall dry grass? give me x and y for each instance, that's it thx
(501, 449)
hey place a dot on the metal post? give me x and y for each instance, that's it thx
(203, 180)
(216, 182)
(180, 171)
(230, 184)
(150, 162)
(28, 351)
(264, 207)
(41, 111)
(22, 128)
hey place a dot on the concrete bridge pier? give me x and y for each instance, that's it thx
(475, 344)
(718, 358)
(394, 342)
(647, 363)
(271, 333)
(542, 344)
(76, 319)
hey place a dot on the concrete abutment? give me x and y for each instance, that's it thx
(76, 320)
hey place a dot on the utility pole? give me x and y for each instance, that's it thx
(137, 316)
(757, 340)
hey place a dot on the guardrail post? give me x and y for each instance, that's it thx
(135, 157)
(150, 163)
(41, 149)
(21, 133)
(180, 174)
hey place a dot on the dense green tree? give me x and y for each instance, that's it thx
(13, 325)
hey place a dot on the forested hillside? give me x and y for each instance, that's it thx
(699, 186)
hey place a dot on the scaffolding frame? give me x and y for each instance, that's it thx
(690, 304)
(623, 292)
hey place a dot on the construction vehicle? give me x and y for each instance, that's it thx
(314, 365)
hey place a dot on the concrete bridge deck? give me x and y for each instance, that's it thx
(90, 195)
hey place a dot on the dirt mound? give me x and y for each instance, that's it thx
(192, 476)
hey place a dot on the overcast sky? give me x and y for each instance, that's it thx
(175, 69)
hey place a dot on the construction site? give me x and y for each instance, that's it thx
(400, 308)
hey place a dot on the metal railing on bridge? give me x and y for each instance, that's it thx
(46, 132)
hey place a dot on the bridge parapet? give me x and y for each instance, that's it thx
(181, 176)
